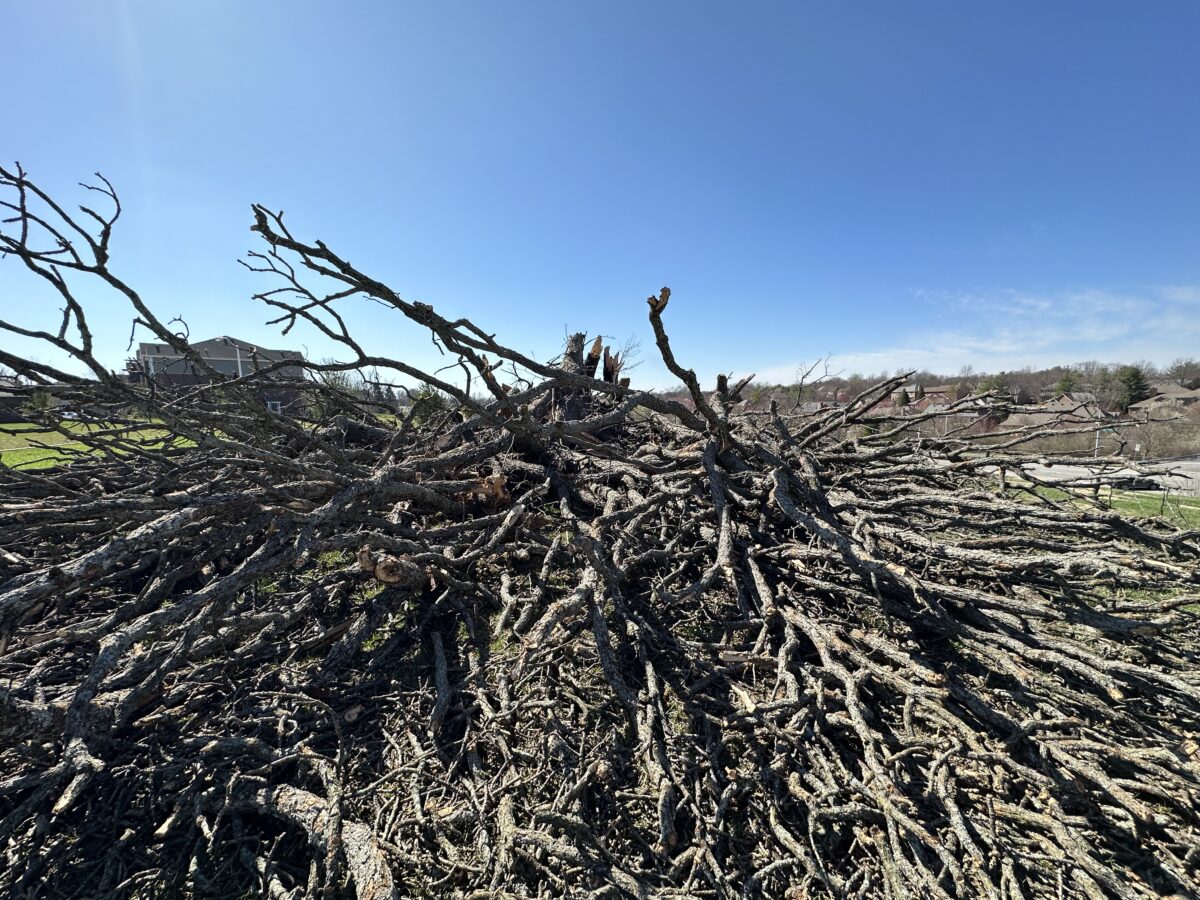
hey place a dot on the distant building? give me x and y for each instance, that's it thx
(12, 400)
(1077, 398)
(921, 399)
(18, 398)
(229, 357)
(944, 393)
(1065, 412)
(1167, 397)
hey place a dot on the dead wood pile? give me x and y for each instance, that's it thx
(571, 639)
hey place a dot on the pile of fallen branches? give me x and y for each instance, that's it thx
(568, 639)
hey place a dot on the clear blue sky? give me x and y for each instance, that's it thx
(896, 184)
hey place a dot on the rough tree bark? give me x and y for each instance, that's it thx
(571, 639)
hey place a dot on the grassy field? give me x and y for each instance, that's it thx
(1183, 512)
(19, 445)
(26, 445)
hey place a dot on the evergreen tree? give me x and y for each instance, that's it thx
(1067, 384)
(428, 402)
(41, 402)
(374, 390)
(1132, 386)
(991, 383)
(903, 399)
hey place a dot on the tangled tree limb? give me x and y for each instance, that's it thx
(568, 639)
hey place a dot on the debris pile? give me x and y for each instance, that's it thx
(570, 639)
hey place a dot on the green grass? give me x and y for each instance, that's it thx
(19, 445)
(1183, 512)
(1180, 510)
(22, 434)
(29, 458)
(332, 559)
(27, 445)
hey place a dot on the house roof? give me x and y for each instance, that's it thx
(219, 346)
(1182, 396)
(1171, 389)
(1079, 396)
(1071, 400)
(1069, 408)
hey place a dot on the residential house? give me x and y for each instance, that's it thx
(228, 357)
(943, 393)
(1167, 399)
(1064, 412)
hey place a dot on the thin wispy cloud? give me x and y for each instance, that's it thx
(1009, 329)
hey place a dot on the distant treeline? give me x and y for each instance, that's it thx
(1112, 385)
